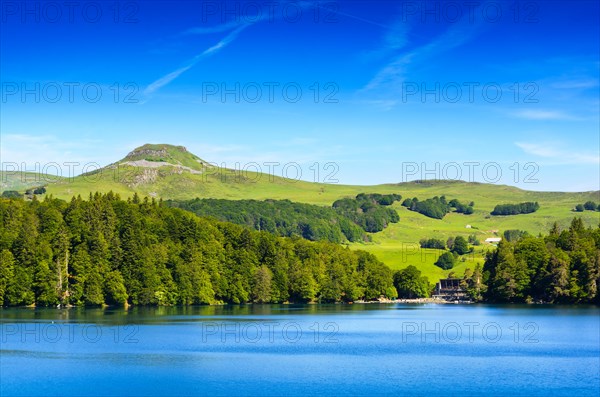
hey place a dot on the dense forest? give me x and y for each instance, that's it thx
(563, 267)
(108, 251)
(105, 250)
(349, 219)
(437, 207)
(281, 217)
(515, 209)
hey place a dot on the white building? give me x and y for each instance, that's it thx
(493, 240)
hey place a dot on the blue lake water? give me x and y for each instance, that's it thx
(274, 350)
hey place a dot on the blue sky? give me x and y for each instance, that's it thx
(387, 90)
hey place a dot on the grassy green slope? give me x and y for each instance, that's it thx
(21, 181)
(396, 246)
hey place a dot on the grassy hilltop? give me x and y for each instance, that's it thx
(171, 172)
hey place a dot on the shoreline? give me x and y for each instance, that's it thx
(415, 300)
(357, 302)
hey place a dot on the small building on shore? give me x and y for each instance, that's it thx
(449, 289)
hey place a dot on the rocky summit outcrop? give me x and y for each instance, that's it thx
(154, 161)
(155, 151)
(147, 152)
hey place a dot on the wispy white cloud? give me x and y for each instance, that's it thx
(397, 36)
(395, 72)
(166, 79)
(224, 27)
(543, 115)
(50, 154)
(394, 39)
(558, 154)
(382, 104)
(576, 84)
(336, 10)
(236, 27)
(392, 75)
(265, 15)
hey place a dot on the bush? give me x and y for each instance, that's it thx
(579, 208)
(446, 261)
(462, 208)
(432, 243)
(11, 194)
(474, 240)
(437, 207)
(514, 234)
(411, 284)
(515, 209)
(460, 245)
(369, 210)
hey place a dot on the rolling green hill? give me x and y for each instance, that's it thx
(21, 181)
(171, 172)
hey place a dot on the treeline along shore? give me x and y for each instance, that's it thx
(109, 251)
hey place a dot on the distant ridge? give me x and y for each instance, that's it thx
(173, 172)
